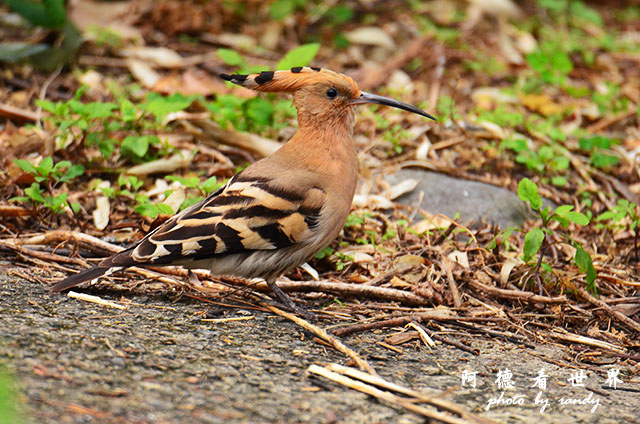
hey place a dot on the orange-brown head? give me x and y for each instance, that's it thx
(320, 95)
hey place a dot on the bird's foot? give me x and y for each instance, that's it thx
(289, 303)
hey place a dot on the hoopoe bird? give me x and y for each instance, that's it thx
(281, 210)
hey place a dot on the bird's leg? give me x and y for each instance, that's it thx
(288, 302)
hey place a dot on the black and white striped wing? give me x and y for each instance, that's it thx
(248, 214)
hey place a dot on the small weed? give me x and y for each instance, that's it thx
(551, 64)
(597, 147)
(50, 175)
(625, 215)
(535, 238)
(546, 160)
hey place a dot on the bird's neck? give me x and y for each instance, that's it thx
(325, 148)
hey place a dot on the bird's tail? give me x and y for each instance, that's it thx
(81, 277)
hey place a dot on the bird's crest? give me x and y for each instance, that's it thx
(291, 80)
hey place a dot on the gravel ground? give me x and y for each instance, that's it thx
(158, 362)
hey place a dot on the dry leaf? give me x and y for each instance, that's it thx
(403, 187)
(541, 103)
(191, 81)
(405, 262)
(142, 72)
(175, 199)
(159, 56)
(460, 258)
(370, 36)
(398, 282)
(506, 269)
(101, 213)
(159, 166)
(431, 223)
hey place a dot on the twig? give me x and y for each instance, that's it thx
(43, 93)
(420, 397)
(95, 299)
(356, 290)
(435, 314)
(453, 286)
(94, 244)
(337, 344)
(575, 338)
(333, 373)
(606, 122)
(46, 256)
(455, 343)
(516, 294)
(610, 311)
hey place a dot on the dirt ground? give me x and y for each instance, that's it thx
(158, 362)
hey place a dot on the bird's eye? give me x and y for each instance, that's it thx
(332, 93)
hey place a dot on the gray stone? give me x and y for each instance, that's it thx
(474, 201)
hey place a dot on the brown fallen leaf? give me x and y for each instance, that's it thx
(191, 81)
(541, 103)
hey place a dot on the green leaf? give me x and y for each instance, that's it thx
(26, 166)
(73, 172)
(136, 145)
(528, 192)
(147, 209)
(75, 207)
(300, 56)
(231, 57)
(164, 209)
(35, 193)
(280, 9)
(532, 243)
(160, 106)
(189, 182)
(45, 167)
(559, 181)
(127, 111)
(100, 110)
(47, 13)
(585, 264)
(46, 105)
(58, 203)
(566, 211)
(210, 185)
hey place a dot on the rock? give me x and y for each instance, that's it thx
(476, 202)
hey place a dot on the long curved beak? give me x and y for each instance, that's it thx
(381, 100)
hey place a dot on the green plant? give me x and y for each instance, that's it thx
(551, 63)
(121, 128)
(50, 175)
(203, 188)
(281, 9)
(502, 117)
(486, 65)
(546, 160)
(597, 147)
(624, 214)
(447, 109)
(611, 100)
(299, 56)
(52, 16)
(11, 406)
(534, 240)
(338, 259)
(572, 12)
(127, 187)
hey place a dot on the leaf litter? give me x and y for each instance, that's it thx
(511, 102)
